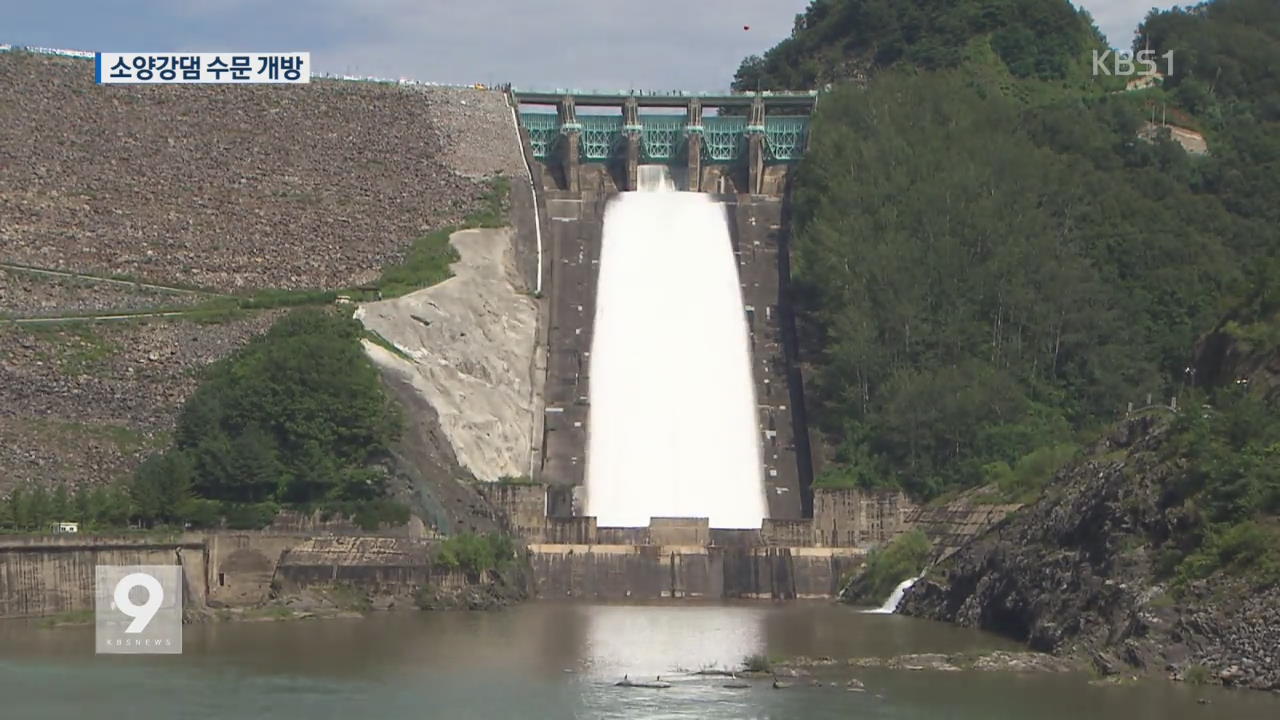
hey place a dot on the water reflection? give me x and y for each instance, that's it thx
(670, 639)
(554, 660)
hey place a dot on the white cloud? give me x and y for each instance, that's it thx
(692, 44)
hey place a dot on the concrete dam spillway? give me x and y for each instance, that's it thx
(673, 409)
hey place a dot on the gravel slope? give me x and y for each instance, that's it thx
(234, 187)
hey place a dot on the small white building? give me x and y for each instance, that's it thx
(64, 528)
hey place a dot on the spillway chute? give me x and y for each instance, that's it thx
(673, 426)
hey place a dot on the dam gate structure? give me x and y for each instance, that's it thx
(579, 162)
(721, 141)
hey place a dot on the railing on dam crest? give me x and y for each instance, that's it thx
(663, 138)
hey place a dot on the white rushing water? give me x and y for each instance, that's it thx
(673, 429)
(890, 606)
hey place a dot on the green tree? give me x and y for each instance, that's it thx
(161, 487)
(297, 416)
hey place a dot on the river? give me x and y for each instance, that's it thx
(558, 660)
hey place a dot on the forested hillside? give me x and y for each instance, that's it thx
(837, 40)
(989, 263)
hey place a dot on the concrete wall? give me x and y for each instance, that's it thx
(376, 564)
(50, 574)
(756, 226)
(859, 518)
(47, 575)
(242, 566)
(951, 525)
(522, 507)
(787, 532)
(679, 531)
(572, 255)
(292, 522)
(843, 518)
(650, 572)
(571, 530)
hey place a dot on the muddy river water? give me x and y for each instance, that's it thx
(561, 660)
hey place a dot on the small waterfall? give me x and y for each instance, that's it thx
(654, 178)
(890, 606)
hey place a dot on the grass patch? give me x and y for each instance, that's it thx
(369, 515)
(887, 566)
(79, 348)
(218, 314)
(1196, 674)
(73, 617)
(349, 598)
(428, 259)
(274, 612)
(1026, 479)
(426, 263)
(126, 440)
(1247, 548)
(473, 554)
(270, 299)
(386, 344)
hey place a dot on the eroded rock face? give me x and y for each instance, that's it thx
(468, 349)
(1073, 574)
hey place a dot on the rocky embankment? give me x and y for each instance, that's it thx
(87, 402)
(234, 187)
(229, 188)
(30, 294)
(1074, 574)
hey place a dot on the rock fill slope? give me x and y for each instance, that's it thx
(233, 187)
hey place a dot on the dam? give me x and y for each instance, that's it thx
(665, 469)
(592, 154)
(513, 450)
(579, 163)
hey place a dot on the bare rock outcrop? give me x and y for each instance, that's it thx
(467, 345)
(1075, 574)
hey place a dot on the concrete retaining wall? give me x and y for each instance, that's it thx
(842, 518)
(375, 564)
(51, 575)
(48, 574)
(650, 572)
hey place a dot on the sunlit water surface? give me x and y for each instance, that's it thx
(554, 660)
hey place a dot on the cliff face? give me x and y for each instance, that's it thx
(1075, 574)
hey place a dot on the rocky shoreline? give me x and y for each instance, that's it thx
(1075, 575)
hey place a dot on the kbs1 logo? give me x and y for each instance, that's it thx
(1141, 63)
(138, 609)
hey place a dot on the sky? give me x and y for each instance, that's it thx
(536, 44)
